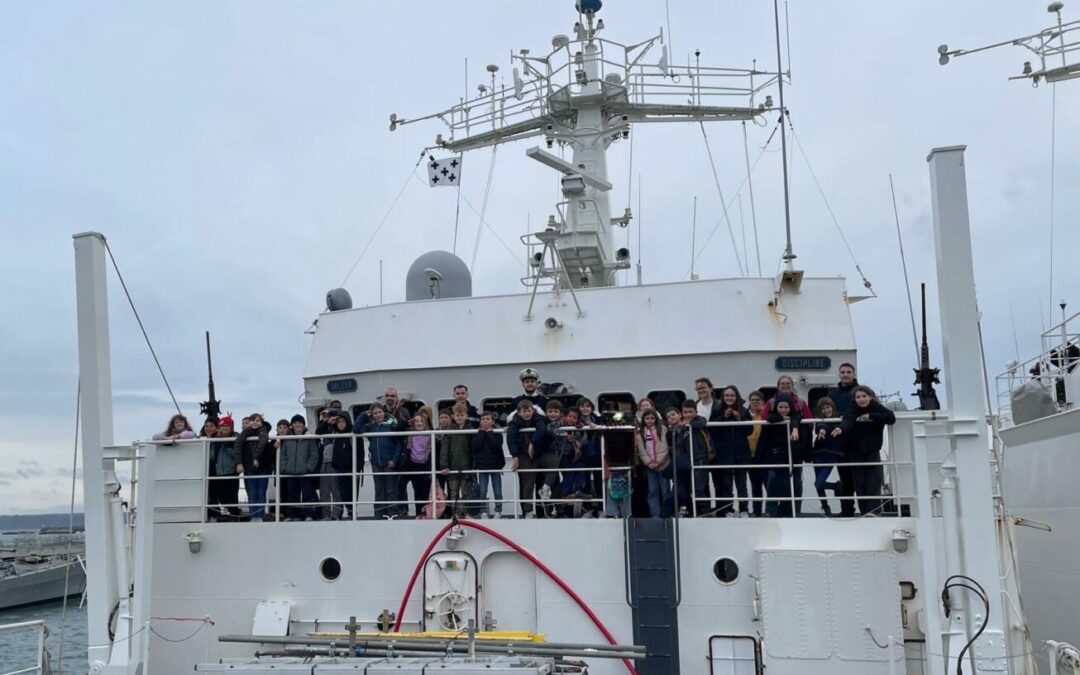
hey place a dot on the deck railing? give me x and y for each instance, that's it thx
(41, 665)
(186, 490)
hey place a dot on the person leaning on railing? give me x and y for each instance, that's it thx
(783, 441)
(177, 429)
(828, 442)
(256, 462)
(386, 453)
(522, 453)
(864, 426)
(652, 451)
(457, 460)
(487, 449)
(298, 457)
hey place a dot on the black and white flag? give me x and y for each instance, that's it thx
(446, 171)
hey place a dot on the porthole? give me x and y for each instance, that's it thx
(330, 568)
(726, 571)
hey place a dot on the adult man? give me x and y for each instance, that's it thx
(841, 393)
(461, 395)
(530, 382)
(709, 408)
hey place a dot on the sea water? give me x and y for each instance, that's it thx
(18, 648)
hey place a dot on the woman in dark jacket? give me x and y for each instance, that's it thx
(864, 427)
(342, 453)
(782, 434)
(251, 447)
(732, 450)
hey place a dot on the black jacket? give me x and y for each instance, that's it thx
(864, 439)
(518, 442)
(774, 439)
(250, 450)
(731, 444)
(841, 396)
(487, 450)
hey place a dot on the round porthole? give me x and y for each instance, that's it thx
(330, 568)
(726, 570)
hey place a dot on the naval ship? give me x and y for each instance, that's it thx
(927, 583)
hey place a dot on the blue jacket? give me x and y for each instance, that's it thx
(518, 442)
(384, 449)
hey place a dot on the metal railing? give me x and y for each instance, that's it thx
(1058, 358)
(41, 665)
(437, 490)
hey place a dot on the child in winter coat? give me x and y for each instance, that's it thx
(177, 429)
(487, 452)
(298, 460)
(225, 487)
(417, 464)
(782, 441)
(652, 451)
(828, 451)
(386, 453)
(255, 463)
(457, 458)
(864, 426)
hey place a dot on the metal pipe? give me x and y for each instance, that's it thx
(460, 647)
(441, 645)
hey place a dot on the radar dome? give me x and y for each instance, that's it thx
(337, 300)
(438, 274)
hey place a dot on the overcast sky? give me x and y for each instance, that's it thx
(237, 156)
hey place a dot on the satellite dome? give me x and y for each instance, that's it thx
(438, 274)
(338, 299)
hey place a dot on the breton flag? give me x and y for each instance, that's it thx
(446, 171)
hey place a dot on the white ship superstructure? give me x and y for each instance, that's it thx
(926, 584)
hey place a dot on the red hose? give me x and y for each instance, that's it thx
(528, 556)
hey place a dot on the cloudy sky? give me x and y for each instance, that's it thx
(238, 158)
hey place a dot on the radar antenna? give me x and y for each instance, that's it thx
(1047, 45)
(585, 94)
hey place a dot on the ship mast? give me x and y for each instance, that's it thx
(584, 95)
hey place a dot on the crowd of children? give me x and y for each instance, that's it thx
(716, 455)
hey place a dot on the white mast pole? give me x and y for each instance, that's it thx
(95, 380)
(967, 406)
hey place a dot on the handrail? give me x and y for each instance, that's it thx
(41, 666)
(349, 500)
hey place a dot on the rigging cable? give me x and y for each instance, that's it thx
(487, 225)
(750, 185)
(71, 522)
(138, 319)
(745, 182)
(382, 222)
(483, 208)
(903, 261)
(727, 218)
(828, 207)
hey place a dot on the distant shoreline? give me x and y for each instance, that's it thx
(34, 521)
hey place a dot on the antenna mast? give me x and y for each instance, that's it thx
(211, 407)
(584, 95)
(925, 376)
(789, 255)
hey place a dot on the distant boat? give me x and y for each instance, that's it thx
(34, 579)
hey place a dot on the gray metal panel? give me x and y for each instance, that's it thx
(795, 604)
(866, 587)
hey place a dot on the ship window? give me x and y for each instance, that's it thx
(567, 400)
(769, 391)
(412, 406)
(444, 404)
(610, 404)
(726, 570)
(814, 395)
(499, 405)
(330, 568)
(359, 409)
(667, 398)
